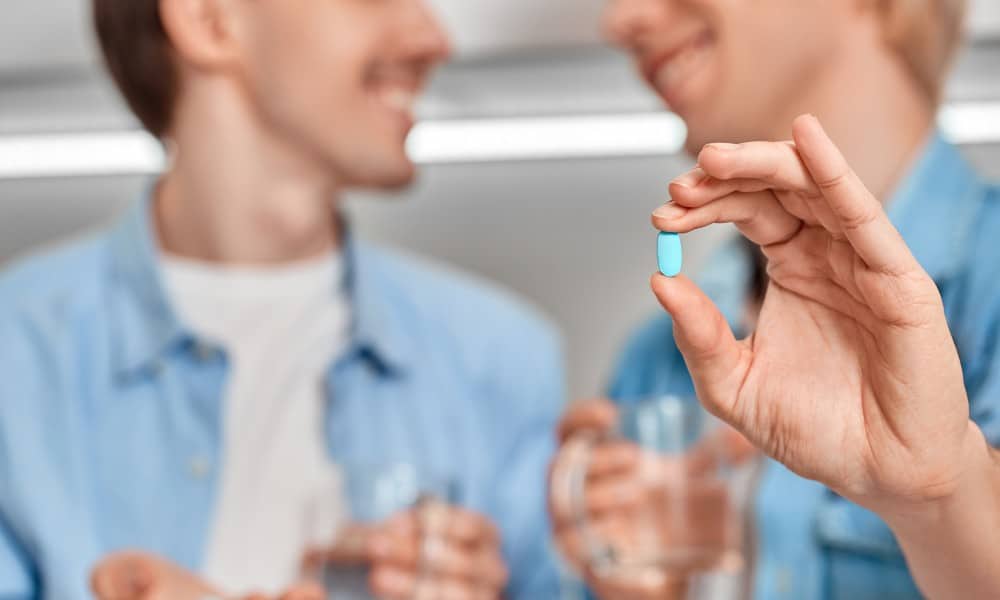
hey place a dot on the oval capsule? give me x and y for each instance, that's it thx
(669, 254)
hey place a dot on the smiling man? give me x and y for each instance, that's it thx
(183, 383)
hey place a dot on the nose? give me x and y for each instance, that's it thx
(626, 22)
(425, 39)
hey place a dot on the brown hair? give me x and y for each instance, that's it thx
(137, 52)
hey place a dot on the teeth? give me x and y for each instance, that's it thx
(397, 99)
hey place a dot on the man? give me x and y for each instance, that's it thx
(873, 73)
(184, 383)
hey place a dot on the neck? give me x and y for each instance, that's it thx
(880, 128)
(235, 193)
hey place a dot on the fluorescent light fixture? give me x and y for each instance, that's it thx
(546, 137)
(439, 142)
(971, 122)
(76, 154)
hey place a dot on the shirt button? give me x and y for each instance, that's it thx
(204, 352)
(199, 467)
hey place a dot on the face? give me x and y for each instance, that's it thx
(730, 68)
(338, 79)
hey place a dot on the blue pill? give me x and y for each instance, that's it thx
(669, 255)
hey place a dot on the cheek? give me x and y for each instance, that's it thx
(308, 79)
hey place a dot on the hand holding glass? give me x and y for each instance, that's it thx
(648, 497)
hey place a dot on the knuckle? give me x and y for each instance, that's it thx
(835, 181)
(854, 220)
(715, 163)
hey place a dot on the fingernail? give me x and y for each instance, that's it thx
(669, 211)
(691, 179)
(723, 147)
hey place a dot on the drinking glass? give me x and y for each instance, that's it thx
(369, 496)
(687, 493)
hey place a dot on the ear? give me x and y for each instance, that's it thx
(200, 31)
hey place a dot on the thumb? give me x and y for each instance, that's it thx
(717, 362)
(122, 576)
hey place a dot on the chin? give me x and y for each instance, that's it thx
(695, 142)
(704, 129)
(389, 176)
(398, 181)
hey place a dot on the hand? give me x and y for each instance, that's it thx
(139, 576)
(628, 493)
(851, 377)
(432, 552)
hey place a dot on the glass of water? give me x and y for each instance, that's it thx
(685, 513)
(368, 496)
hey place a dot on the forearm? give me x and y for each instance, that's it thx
(953, 546)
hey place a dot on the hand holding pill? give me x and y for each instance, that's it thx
(837, 382)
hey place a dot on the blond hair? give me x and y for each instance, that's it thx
(927, 33)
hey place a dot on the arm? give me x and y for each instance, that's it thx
(948, 543)
(953, 545)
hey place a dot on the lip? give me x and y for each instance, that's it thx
(651, 66)
(403, 119)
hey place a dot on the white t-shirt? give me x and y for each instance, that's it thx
(281, 327)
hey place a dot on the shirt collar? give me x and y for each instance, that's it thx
(146, 325)
(379, 328)
(935, 207)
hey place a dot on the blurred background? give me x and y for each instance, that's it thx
(542, 156)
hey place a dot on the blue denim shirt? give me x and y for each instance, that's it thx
(812, 544)
(110, 416)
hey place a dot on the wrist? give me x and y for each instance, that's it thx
(976, 486)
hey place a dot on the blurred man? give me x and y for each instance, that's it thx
(873, 72)
(183, 383)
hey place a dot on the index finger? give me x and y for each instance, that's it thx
(775, 163)
(862, 218)
(470, 528)
(596, 415)
(458, 524)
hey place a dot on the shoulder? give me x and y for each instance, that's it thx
(468, 310)
(44, 301)
(63, 276)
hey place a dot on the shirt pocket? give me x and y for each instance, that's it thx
(861, 558)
